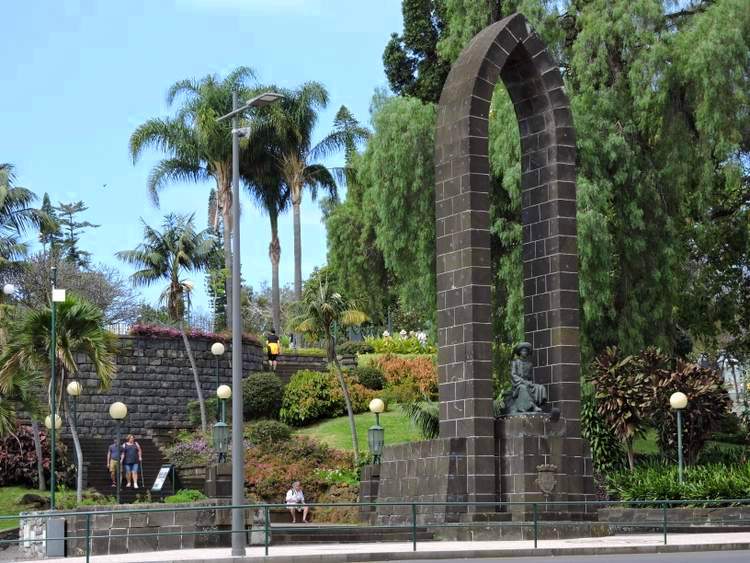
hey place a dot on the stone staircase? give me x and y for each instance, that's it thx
(95, 456)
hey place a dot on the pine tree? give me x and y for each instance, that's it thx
(71, 232)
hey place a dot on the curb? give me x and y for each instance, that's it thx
(472, 554)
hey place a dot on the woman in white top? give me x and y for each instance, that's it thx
(295, 500)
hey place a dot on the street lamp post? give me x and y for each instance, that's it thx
(376, 434)
(678, 401)
(238, 480)
(58, 296)
(118, 411)
(217, 349)
(74, 390)
(221, 430)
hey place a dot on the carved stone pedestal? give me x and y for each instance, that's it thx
(219, 481)
(541, 461)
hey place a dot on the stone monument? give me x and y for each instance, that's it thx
(530, 455)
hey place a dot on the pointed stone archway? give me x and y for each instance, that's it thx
(476, 458)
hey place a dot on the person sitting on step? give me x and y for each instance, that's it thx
(295, 501)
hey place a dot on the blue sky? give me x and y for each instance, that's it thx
(79, 76)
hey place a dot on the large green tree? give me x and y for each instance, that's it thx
(197, 148)
(165, 256)
(659, 94)
(397, 172)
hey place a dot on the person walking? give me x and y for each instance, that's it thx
(274, 349)
(113, 461)
(132, 458)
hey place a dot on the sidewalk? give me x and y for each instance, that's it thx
(334, 553)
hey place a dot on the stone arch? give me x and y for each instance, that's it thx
(510, 51)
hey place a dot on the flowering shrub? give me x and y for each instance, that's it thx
(159, 331)
(418, 374)
(337, 476)
(312, 395)
(191, 449)
(270, 469)
(18, 461)
(402, 343)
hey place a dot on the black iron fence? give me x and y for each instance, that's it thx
(412, 518)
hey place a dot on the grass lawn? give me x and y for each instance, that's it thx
(335, 431)
(9, 506)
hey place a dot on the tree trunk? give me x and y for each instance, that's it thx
(296, 207)
(631, 454)
(198, 390)
(274, 253)
(349, 411)
(297, 251)
(227, 225)
(39, 454)
(79, 452)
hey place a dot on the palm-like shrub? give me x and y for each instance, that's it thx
(164, 256)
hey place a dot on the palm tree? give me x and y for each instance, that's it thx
(299, 161)
(165, 256)
(264, 183)
(80, 329)
(198, 148)
(322, 311)
(16, 216)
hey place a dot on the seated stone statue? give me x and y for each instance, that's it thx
(525, 395)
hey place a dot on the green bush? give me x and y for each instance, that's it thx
(351, 348)
(399, 345)
(660, 482)
(194, 411)
(369, 376)
(312, 395)
(262, 394)
(267, 432)
(185, 496)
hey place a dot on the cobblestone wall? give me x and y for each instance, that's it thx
(155, 381)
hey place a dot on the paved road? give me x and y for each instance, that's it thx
(742, 556)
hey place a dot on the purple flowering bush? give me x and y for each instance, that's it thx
(194, 448)
(159, 331)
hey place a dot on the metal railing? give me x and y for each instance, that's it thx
(413, 518)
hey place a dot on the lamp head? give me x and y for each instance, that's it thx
(377, 406)
(217, 348)
(58, 295)
(74, 389)
(264, 99)
(118, 410)
(224, 392)
(9, 289)
(48, 422)
(678, 400)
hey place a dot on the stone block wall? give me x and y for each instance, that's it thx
(155, 381)
(429, 471)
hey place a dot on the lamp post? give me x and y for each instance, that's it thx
(678, 401)
(58, 296)
(217, 349)
(74, 390)
(238, 479)
(376, 434)
(221, 430)
(118, 411)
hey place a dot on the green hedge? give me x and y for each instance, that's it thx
(660, 482)
(262, 394)
(369, 376)
(313, 395)
(268, 432)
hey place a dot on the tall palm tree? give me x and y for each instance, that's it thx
(259, 168)
(80, 329)
(164, 256)
(16, 216)
(322, 310)
(198, 148)
(299, 162)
